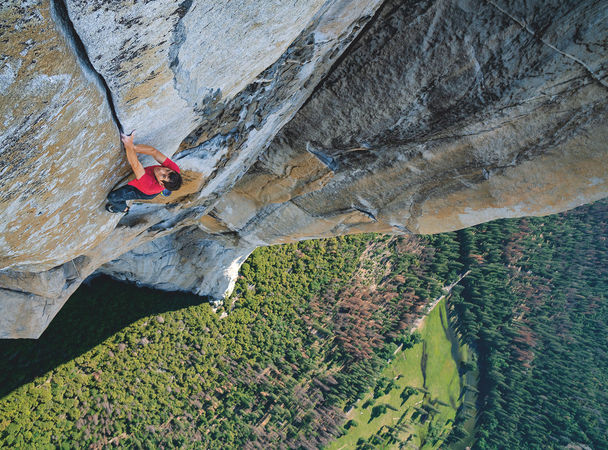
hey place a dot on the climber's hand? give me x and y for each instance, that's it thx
(127, 140)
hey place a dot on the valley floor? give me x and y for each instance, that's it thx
(423, 392)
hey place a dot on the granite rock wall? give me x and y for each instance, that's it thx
(289, 122)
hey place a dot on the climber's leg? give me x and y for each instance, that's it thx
(118, 199)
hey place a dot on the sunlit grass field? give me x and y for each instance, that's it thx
(423, 419)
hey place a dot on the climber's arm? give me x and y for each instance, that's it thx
(138, 169)
(149, 150)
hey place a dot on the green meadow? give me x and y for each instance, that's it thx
(417, 396)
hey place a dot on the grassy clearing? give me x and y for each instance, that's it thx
(429, 373)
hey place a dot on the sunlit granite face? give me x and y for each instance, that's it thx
(437, 116)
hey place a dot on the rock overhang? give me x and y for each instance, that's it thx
(438, 116)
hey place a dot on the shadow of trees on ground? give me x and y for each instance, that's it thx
(96, 311)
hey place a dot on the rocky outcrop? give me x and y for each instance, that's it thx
(431, 116)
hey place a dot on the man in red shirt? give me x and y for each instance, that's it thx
(149, 181)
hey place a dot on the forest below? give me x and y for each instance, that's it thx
(308, 330)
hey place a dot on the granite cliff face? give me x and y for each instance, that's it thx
(290, 121)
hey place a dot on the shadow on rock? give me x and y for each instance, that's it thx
(95, 312)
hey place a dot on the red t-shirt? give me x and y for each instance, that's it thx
(147, 183)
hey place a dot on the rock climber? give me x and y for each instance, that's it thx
(149, 181)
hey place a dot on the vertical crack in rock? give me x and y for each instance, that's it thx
(60, 15)
(522, 23)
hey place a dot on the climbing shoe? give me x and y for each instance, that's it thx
(110, 208)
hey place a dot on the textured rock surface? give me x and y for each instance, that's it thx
(494, 123)
(440, 115)
(57, 140)
(174, 263)
(492, 128)
(129, 56)
(167, 63)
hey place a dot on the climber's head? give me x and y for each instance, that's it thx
(168, 178)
